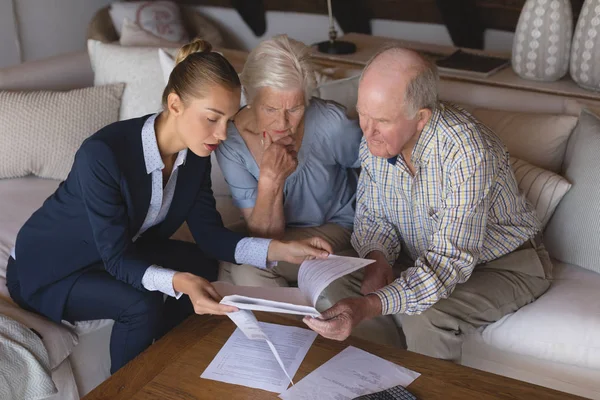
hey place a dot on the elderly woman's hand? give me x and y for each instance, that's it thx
(279, 159)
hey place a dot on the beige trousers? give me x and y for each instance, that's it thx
(495, 289)
(381, 329)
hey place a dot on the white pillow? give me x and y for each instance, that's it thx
(161, 18)
(137, 67)
(42, 130)
(167, 63)
(543, 189)
(134, 35)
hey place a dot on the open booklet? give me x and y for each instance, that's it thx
(313, 277)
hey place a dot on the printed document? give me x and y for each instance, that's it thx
(351, 373)
(260, 355)
(313, 277)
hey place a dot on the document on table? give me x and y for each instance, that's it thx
(351, 373)
(260, 355)
(313, 277)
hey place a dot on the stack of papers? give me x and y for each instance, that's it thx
(260, 355)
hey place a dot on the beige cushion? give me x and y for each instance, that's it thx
(42, 130)
(543, 189)
(342, 91)
(573, 234)
(134, 35)
(539, 139)
(137, 67)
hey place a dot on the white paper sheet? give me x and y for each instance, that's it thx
(248, 324)
(251, 363)
(315, 275)
(350, 374)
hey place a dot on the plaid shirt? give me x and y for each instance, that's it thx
(461, 208)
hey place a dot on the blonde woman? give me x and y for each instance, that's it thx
(99, 246)
(289, 158)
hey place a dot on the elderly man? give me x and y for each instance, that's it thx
(437, 199)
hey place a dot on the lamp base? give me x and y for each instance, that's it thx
(336, 47)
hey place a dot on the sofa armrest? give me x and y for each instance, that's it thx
(63, 72)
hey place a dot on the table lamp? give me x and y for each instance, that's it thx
(333, 46)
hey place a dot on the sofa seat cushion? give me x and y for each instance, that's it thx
(19, 198)
(561, 326)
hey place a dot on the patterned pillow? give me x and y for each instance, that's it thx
(161, 18)
(543, 189)
(42, 130)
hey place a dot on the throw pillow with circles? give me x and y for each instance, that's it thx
(161, 18)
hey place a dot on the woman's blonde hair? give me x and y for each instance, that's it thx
(280, 63)
(196, 69)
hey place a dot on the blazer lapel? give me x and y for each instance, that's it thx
(139, 183)
(188, 180)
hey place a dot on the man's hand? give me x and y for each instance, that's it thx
(337, 322)
(377, 275)
(297, 251)
(203, 295)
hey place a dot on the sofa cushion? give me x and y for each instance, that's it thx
(42, 130)
(561, 326)
(540, 139)
(573, 234)
(542, 188)
(342, 91)
(137, 67)
(19, 198)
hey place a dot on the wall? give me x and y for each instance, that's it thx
(9, 49)
(46, 27)
(311, 28)
(52, 27)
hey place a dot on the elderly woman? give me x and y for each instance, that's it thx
(289, 158)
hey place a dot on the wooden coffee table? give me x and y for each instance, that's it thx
(170, 369)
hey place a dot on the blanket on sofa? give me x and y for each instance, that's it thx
(24, 363)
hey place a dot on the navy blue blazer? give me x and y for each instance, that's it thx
(94, 214)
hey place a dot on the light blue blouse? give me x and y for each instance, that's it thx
(323, 187)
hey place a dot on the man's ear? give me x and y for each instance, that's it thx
(423, 116)
(174, 104)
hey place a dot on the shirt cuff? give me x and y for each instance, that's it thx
(393, 299)
(253, 251)
(160, 279)
(364, 250)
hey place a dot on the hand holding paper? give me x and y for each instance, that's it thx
(313, 277)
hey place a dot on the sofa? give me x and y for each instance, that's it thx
(553, 342)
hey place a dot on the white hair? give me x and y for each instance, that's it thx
(280, 63)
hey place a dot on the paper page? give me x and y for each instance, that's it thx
(248, 324)
(290, 295)
(351, 373)
(252, 303)
(251, 363)
(315, 275)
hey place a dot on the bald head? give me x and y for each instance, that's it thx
(402, 76)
